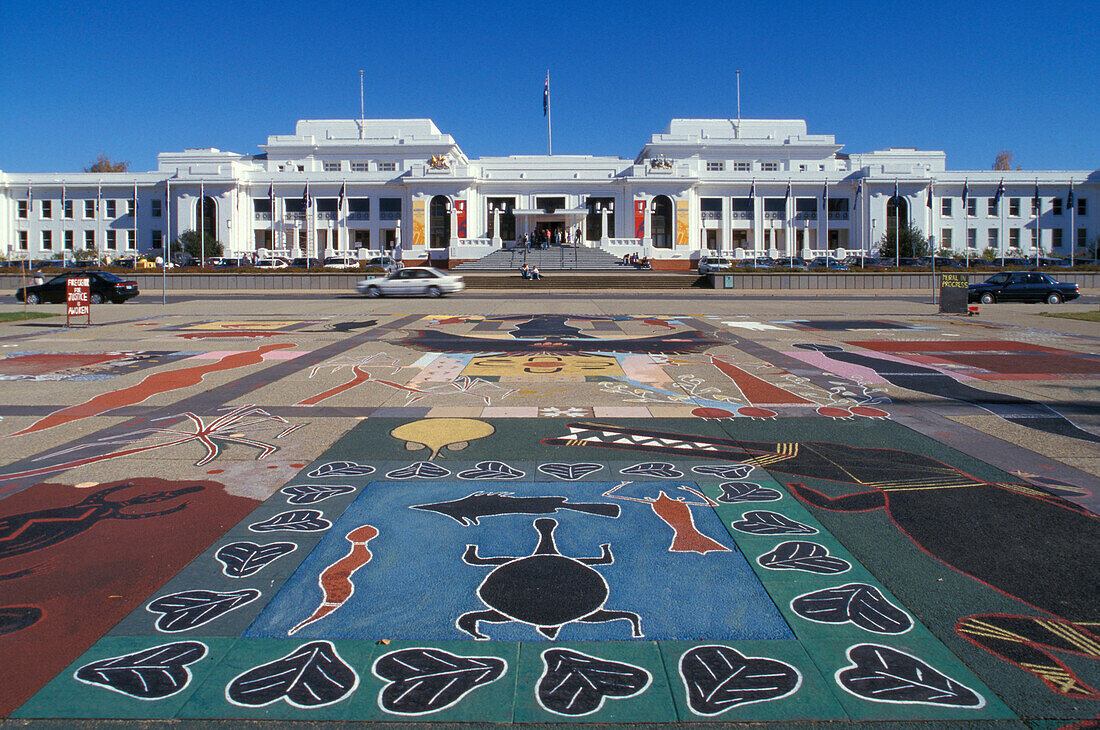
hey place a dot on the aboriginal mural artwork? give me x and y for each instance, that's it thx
(531, 518)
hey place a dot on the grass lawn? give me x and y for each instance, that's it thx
(1086, 316)
(17, 316)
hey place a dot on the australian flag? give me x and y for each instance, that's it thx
(752, 189)
(305, 197)
(1000, 191)
(966, 192)
(1069, 198)
(788, 195)
(546, 96)
(859, 190)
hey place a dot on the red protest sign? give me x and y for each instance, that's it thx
(77, 289)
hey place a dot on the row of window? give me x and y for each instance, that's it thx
(992, 206)
(720, 166)
(110, 208)
(993, 237)
(355, 166)
(111, 239)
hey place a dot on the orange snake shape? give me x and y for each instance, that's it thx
(335, 580)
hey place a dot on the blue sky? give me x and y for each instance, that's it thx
(135, 79)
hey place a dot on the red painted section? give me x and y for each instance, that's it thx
(686, 537)
(44, 363)
(953, 346)
(91, 581)
(712, 413)
(335, 580)
(868, 412)
(756, 390)
(834, 412)
(152, 385)
(360, 376)
(751, 412)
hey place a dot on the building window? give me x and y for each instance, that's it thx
(972, 238)
(742, 166)
(992, 206)
(67, 210)
(945, 206)
(23, 240)
(154, 207)
(89, 239)
(1056, 237)
(330, 166)
(1056, 206)
(1081, 237)
(112, 244)
(802, 168)
(131, 206)
(1082, 207)
(47, 240)
(389, 209)
(387, 166)
(69, 240)
(131, 239)
(972, 206)
(716, 166)
(47, 209)
(994, 238)
(945, 238)
(769, 166)
(111, 209)
(1013, 237)
(1014, 207)
(821, 168)
(89, 209)
(360, 167)
(157, 240)
(22, 206)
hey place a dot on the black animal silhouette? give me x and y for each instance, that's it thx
(545, 589)
(469, 509)
(1017, 539)
(31, 531)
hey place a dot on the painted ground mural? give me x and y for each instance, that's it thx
(548, 518)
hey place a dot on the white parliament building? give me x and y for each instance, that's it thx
(742, 188)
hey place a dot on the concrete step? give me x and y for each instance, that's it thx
(555, 258)
(638, 280)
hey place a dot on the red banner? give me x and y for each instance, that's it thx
(460, 213)
(639, 219)
(77, 289)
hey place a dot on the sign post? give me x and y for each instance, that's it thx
(77, 289)
(954, 290)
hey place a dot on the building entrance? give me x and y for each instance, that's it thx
(553, 227)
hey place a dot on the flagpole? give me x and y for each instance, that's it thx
(1035, 218)
(202, 224)
(167, 241)
(549, 137)
(966, 221)
(1001, 211)
(1072, 223)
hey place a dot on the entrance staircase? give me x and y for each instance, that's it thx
(554, 258)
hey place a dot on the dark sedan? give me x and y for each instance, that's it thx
(1022, 286)
(105, 287)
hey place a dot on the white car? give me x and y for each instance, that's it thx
(341, 262)
(269, 264)
(410, 282)
(708, 264)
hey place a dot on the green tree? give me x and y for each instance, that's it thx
(103, 163)
(191, 242)
(913, 243)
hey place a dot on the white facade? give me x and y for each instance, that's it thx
(746, 188)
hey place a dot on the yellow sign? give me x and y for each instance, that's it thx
(235, 325)
(542, 363)
(681, 223)
(956, 281)
(420, 208)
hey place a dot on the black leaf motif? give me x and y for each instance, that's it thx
(314, 493)
(575, 684)
(859, 603)
(570, 472)
(300, 520)
(771, 523)
(726, 471)
(735, 492)
(186, 610)
(881, 674)
(17, 618)
(423, 680)
(658, 469)
(491, 470)
(718, 678)
(809, 557)
(419, 470)
(313, 675)
(340, 469)
(242, 559)
(152, 674)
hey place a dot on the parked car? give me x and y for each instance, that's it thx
(760, 262)
(942, 262)
(709, 264)
(791, 262)
(342, 263)
(410, 282)
(306, 262)
(269, 264)
(1022, 286)
(827, 263)
(386, 263)
(104, 287)
(1054, 262)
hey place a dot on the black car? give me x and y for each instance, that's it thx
(105, 287)
(306, 262)
(1022, 286)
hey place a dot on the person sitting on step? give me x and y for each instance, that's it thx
(525, 271)
(535, 273)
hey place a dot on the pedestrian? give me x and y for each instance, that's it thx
(526, 242)
(525, 272)
(535, 273)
